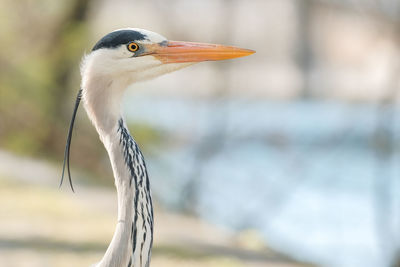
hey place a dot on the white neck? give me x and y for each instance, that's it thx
(106, 73)
(132, 240)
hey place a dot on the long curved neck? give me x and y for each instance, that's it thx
(133, 236)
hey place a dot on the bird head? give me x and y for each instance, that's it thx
(137, 54)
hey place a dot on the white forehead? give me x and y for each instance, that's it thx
(152, 37)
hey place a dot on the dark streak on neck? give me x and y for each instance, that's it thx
(137, 168)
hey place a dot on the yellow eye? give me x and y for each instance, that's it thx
(133, 47)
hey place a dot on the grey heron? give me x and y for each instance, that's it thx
(117, 60)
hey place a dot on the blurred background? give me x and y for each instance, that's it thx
(289, 157)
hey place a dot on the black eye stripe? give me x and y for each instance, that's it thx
(117, 38)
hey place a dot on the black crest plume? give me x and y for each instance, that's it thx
(69, 138)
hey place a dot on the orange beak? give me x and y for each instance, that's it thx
(181, 52)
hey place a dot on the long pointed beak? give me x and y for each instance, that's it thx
(180, 52)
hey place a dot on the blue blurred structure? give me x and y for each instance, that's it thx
(304, 173)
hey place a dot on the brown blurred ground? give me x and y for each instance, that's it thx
(43, 226)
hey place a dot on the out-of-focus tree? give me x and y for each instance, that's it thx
(39, 77)
(304, 54)
(36, 61)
